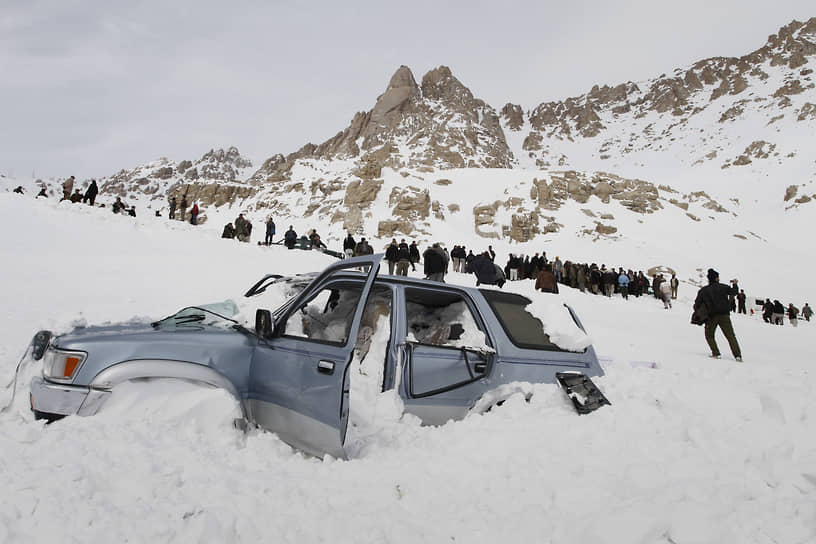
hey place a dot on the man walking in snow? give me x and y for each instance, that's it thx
(714, 297)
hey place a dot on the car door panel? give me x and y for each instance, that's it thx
(299, 386)
(442, 380)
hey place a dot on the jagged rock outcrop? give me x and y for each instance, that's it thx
(674, 100)
(439, 124)
(212, 180)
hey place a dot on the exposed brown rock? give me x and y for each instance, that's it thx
(513, 116)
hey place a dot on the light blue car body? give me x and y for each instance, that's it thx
(298, 387)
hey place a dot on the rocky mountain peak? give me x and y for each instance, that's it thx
(439, 124)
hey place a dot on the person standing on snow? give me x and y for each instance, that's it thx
(414, 250)
(90, 193)
(391, 255)
(714, 297)
(793, 314)
(435, 263)
(741, 302)
(545, 281)
(806, 312)
(172, 207)
(290, 238)
(194, 214)
(348, 246)
(67, 188)
(403, 258)
(270, 231)
(675, 283)
(778, 316)
(665, 294)
(623, 285)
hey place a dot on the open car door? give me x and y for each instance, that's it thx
(299, 377)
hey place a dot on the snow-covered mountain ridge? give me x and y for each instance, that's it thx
(721, 139)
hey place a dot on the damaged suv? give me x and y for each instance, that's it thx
(447, 347)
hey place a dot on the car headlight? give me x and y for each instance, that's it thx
(62, 366)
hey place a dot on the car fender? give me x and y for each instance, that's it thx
(104, 382)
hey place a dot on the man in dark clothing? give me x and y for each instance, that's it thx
(741, 302)
(184, 210)
(483, 268)
(414, 249)
(767, 310)
(270, 232)
(229, 231)
(435, 263)
(594, 278)
(173, 208)
(362, 248)
(118, 206)
(806, 312)
(348, 246)
(391, 255)
(290, 238)
(778, 315)
(90, 193)
(546, 280)
(715, 298)
(403, 258)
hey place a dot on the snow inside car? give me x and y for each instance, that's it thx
(446, 347)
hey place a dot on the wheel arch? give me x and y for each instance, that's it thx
(103, 383)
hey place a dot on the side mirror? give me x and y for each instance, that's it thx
(263, 323)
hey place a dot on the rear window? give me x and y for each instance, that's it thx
(523, 328)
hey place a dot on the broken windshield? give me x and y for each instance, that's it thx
(217, 315)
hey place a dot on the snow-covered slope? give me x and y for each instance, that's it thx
(692, 449)
(710, 155)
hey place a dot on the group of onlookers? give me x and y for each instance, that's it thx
(775, 312)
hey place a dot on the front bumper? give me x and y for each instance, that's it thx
(51, 400)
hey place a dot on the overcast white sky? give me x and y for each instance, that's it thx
(90, 87)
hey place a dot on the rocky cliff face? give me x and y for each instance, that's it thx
(635, 148)
(436, 125)
(771, 83)
(212, 180)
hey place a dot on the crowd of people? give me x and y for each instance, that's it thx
(437, 260)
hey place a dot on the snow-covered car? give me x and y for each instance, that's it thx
(443, 348)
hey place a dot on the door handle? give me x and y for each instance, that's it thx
(325, 367)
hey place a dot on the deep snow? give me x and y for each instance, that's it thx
(692, 450)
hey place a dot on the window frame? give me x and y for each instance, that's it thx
(490, 295)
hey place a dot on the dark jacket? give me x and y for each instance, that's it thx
(484, 269)
(403, 252)
(434, 261)
(92, 190)
(414, 250)
(546, 282)
(349, 243)
(391, 253)
(715, 297)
